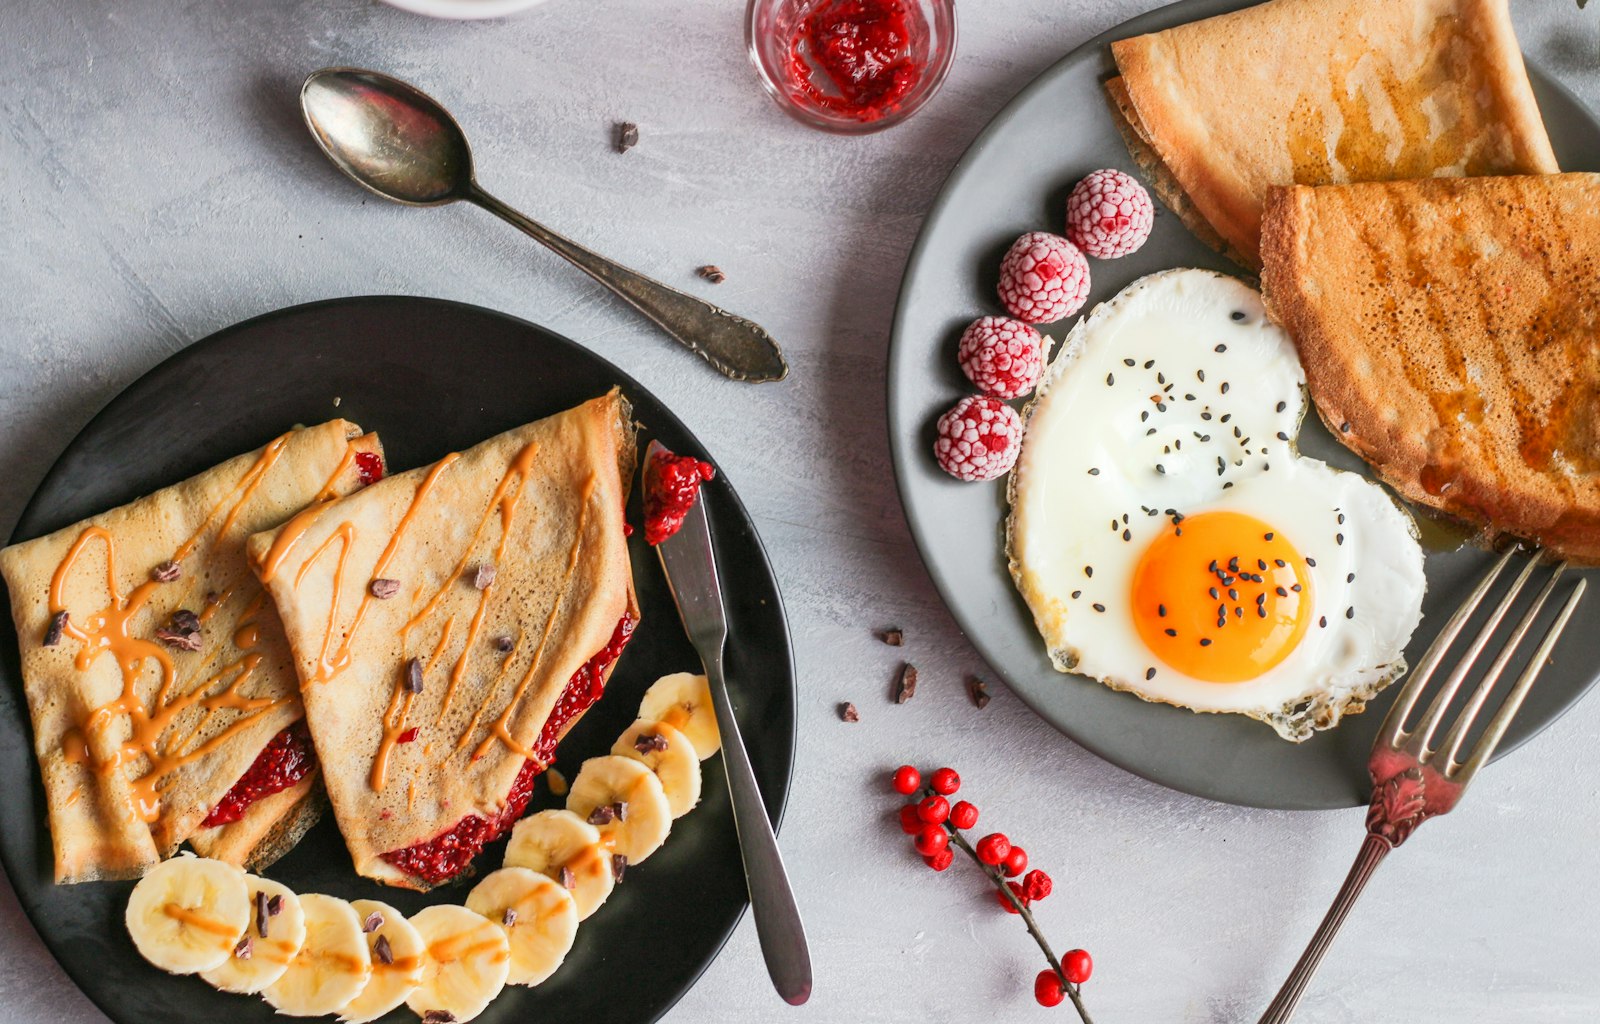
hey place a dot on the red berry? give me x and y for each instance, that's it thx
(1003, 358)
(963, 815)
(907, 780)
(1037, 885)
(1043, 278)
(1109, 214)
(978, 439)
(910, 824)
(933, 810)
(931, 840)
(1078, 964)
(1017, 891)
(940, 860)
(1047, 988)
(945, 781)
(992, 848)
(1016, 862)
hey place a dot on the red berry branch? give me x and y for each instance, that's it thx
(936, 826)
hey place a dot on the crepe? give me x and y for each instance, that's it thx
(485, 581)
(1317, 92)
(1448, 330)
(138, 738)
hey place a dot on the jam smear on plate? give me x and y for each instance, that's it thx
(448, 854)
(670, 488)
(281, 764)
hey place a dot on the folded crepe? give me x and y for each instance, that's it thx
(439, 616)
(156, 670)
(1315, 92)
(1449, 334)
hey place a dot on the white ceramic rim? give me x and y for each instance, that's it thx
(464, 10)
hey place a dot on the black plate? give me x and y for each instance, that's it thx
(431, 377)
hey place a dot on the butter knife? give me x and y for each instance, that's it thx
(691, 570)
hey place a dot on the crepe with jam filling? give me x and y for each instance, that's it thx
(1314, 92)
(449, 624)
(161, 687)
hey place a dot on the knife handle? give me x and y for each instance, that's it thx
(778, 925)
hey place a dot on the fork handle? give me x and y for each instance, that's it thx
(1373, 850)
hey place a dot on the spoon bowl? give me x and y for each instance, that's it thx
(388, 136)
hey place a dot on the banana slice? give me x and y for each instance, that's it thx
(625, 801)
(551, 840)
(187, 914)
(683, 701)
(539, 916)
(667, 752)
(332, 966)
(465, 964)
(397, 953)
(274, 935)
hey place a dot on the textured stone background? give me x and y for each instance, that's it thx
(155, 185)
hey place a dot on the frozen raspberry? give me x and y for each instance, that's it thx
(978, 439)
(1001, 356)
(1043, 278)
(1109, 214)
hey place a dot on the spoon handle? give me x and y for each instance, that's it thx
(738, 347)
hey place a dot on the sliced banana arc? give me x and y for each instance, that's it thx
(397, 953)
(551, 840)
(666, 751)
(539, 916)
(465, 964)
(332, 966)
(683, 701)
(625, 801)
(273, 938)
(187, 914)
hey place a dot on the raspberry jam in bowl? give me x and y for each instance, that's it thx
(851, 66)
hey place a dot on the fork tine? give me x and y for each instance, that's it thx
(1458, 732)
(1502, 718)
(1423, 733)
(1400, 710)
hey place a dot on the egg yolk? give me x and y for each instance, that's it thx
(1221, 597)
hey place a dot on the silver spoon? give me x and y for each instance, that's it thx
(397, 142)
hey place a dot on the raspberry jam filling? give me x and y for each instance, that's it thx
(369, 468)
(282, 763)
(858, 58)
(670, 488)
(446, 855)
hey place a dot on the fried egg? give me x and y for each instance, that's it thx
(1170, 540)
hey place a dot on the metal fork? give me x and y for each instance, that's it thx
(1412, 779)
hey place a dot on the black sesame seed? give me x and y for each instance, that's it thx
(1323, 622)
(1161, 407)
(1282, 436)
(1149, 673)
(1161, 469)
(1349, 613)
(1237, 316)
(1214, 594)
(1144, 415)
(1126, 535)
(1225, 417)
(1227, 485)
(1222, 348)
(1233, 594)
(1295, 587)
(1110, 380)
(1161, 610)
(1311, 561)
(1261, 611)
(1152, 430)
(1238, 612)
(1205, 641)
(1282, 406)
(1261, 564)
(1344, 428)
(1127, 362)
(1099, 607)
(1161, 378)
(1188, 398)
(1351, 578)
(1149, 363)
(1205, 415)
(1280, 563)
(1077, 594)
(1170, 632)
(1341, 518)
(1268, 536)
(1281, 592)
(1338, 538)
(1200, 374)
(1094, 471)
(1088, 570)
(1224, 387)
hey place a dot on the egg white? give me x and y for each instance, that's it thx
(1179, 396)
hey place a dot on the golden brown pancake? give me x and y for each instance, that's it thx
(1450, 331)
(504, 570)
(137, 737)
(1317, 92)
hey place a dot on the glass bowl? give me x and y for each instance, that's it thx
(779, 36)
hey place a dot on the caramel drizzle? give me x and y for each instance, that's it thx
(110, 630)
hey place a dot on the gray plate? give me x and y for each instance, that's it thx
(1016, 178)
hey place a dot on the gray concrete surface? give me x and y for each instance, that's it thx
(155, 186)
